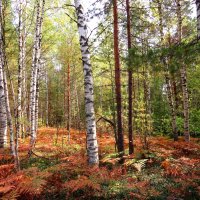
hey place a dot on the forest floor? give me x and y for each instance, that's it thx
(58, 170)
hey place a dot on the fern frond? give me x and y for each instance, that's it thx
(82, 183)
(13, 195)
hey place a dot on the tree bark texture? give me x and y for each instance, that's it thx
(3, 115)
(118, 81)
(68, 102)
(34, 73)
(130, 84)
(20, 71)
(92, 146)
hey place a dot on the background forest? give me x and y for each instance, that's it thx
(106, 91)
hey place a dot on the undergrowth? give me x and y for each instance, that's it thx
(167, 170)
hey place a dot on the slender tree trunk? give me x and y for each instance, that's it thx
(92, 146)
(68, 102)
(146, 105)
(3, 61)
(118, 81)
(34, 73)
(20, 72)
(171, 105)
(13, 138)
(3, 116)
(37, 97)
(130, 84)
(24, 74)
(167, 77)
(183, 73)
(113, 104)
(47, 99)
(198, 17)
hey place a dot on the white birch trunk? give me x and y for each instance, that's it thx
(34, 73)
(92, 146)
(37, 97)
(3, 115)
(24, 82)
(13, 139)
(20, 71)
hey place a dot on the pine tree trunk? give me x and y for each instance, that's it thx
(183, 73)
(118, 81)
(130, 84)
(198, 17)
(92, 146)
(147, 107)
(3, 116)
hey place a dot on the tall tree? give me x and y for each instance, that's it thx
(4, 63)
(167, 74)
(21, 62)
(68, 102)
(34, 71)
(130, 83)
(120, 143)
(92, 146)
(183, 73)
(3, 116)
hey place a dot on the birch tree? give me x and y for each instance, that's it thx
(21, 63)
(92, 146)
(3, 116)
(5, 111)
(34, 71)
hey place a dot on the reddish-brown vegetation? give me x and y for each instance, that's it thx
(59, 170)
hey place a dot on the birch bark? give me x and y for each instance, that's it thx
(20, 71)
(92, 146)
(34, 73)
(3, 63)
(3, 116)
